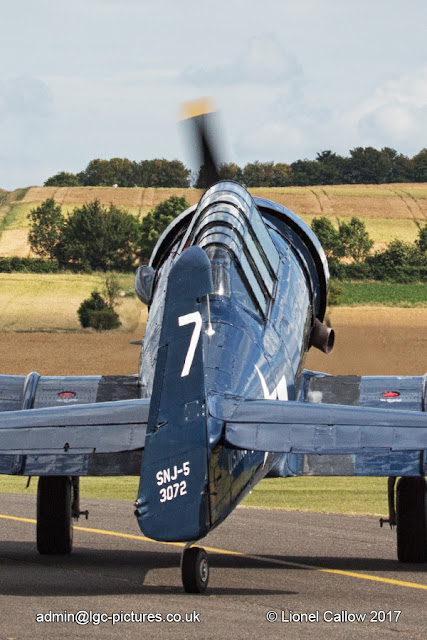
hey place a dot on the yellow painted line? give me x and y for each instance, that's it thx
(286, 563)
(366, 576)
(128, 536)
(350, 574)
(30, 520)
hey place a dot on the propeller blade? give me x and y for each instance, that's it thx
(201, 116)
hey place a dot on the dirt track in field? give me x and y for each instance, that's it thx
(369, 341)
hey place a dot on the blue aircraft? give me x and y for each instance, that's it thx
(237, 292)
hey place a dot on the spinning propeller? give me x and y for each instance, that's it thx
(201, 117)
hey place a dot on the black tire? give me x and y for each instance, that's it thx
(54, 518)
(411, 506)
(195, 570)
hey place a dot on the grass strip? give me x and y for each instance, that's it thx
(345, 495)
(390, 294)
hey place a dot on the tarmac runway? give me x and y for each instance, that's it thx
(321, 575)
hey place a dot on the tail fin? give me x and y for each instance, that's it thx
(172, 501)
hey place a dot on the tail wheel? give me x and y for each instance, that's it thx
(411, 515)
(54, 515)
(195, 570)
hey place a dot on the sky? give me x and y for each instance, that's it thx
(85, 79)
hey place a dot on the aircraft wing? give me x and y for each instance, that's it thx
(334, 415)
(107, 427)
(298, 427)
(385, 392)
(35, 391)
(72, 430)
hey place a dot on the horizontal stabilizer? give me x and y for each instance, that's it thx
(105, 427)
(298, 427)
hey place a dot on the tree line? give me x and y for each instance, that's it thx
(95, 237)
(364, 165)
(122, 172)
(349, 253)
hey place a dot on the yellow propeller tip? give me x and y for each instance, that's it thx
(195, 108)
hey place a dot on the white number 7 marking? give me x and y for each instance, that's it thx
(188, 319)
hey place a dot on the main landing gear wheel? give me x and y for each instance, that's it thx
(411, 518)
(195, 570)
(54, 515)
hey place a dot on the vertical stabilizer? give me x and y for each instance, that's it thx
(172, 502)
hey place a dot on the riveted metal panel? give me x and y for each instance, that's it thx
(11, 392)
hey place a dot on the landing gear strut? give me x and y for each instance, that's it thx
(55, 514)
(194, 570)
(411, 512)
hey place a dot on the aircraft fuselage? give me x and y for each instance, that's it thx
(246, 337)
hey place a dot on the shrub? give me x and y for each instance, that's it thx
(356, 271)
(399, 262)
(354, 239)
(421, 241)
(334, 295)
(328, 237)
(104, 319)
(336, 269)
(27, 265)
(95, 303)
(98, 311)
(111, 290)
(156, 221)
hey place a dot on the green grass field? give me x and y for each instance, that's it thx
(367, 496)
(383, 293)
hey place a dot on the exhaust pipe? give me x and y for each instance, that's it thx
(322, 337)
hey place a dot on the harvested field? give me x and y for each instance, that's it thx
(369, 341)
(380, 230)
(389, 211)
(371, 207)
(36, 302)
(406, 201)
(14, 242)
(120, 196)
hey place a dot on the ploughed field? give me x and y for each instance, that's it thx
(369, 341)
